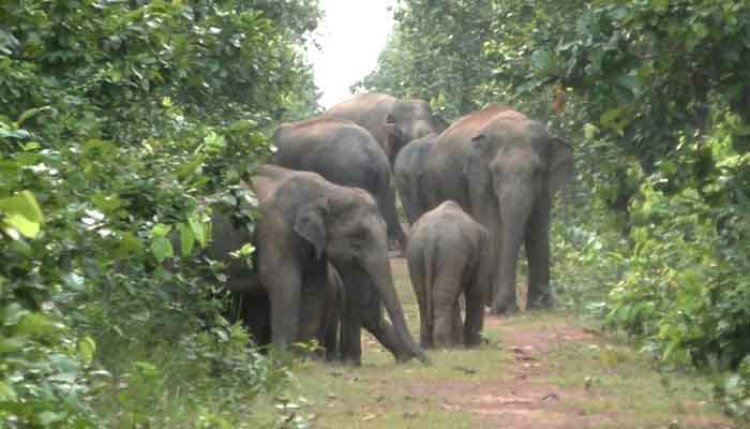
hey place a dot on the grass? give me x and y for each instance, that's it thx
(601, 382)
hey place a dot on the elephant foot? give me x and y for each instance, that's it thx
(352, 361)
(544, 302)
(504, 309)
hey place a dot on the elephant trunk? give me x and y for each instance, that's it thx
(387, 204)
(379, 270)
(514, 214)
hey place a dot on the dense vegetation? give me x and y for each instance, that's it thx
(118, 120)
(654, 237)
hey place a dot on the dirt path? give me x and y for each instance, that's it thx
(523, 398)
(538, 370)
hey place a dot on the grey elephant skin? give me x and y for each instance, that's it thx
(321, 294)
(504, 169)
(448, 257)
(408, 171)
(393, 122)
(304, 223)
(343, 153)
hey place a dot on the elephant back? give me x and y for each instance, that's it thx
(339, 150)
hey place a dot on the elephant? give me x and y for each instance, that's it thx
(504, 169)
(391, 121)
(407, 172)
(322, 294)
(304, 223)
(343, 153)
(448, 256)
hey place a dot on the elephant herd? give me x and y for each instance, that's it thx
(473, 191)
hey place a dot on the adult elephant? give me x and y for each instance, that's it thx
(504, 169)
(408, 171)
(393, 122)
(306, 221)
(343, 153)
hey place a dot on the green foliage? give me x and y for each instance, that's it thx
(687, 289)
(118, 119)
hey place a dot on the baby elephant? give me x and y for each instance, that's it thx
(449, 255)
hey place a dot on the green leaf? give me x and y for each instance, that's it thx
(161, 248)
(7, 394)
(25, 116)
(11, 344)
(106, 203)
(191, 167)
(86, 349)
(187, 239)
(129, 245)
(21, 224)
(610, 116)
(37, 324)
(46, 418)
(160, 230)
(24, 204)
(199, 231)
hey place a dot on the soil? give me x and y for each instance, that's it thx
(521, 399)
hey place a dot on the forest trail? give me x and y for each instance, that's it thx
(537, 370)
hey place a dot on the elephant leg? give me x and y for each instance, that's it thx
(331, 328)
(315, 306)
(538, 257)
(334, 316)
(444, 307)
(416, 273)
(351, 331)
(456, 325)
(474, 312)
(330, 343)
(254, 309)
(283, 282)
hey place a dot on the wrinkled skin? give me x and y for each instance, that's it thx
(448, 256)
(504, 169)
(305, 222)
(322, 292)
(392, 122)
(343, 153)
(407, 174)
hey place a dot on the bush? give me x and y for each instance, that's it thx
(118, 119)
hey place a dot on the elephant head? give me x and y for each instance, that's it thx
(308, 220)
(514, 167)
(409, 120)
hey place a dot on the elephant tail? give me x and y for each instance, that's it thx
(430, 259)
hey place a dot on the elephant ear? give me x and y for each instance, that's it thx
(477, 172)
(561, 167)
(309, 224)
(474, 155)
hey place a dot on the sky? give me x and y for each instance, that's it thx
(350, 37)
